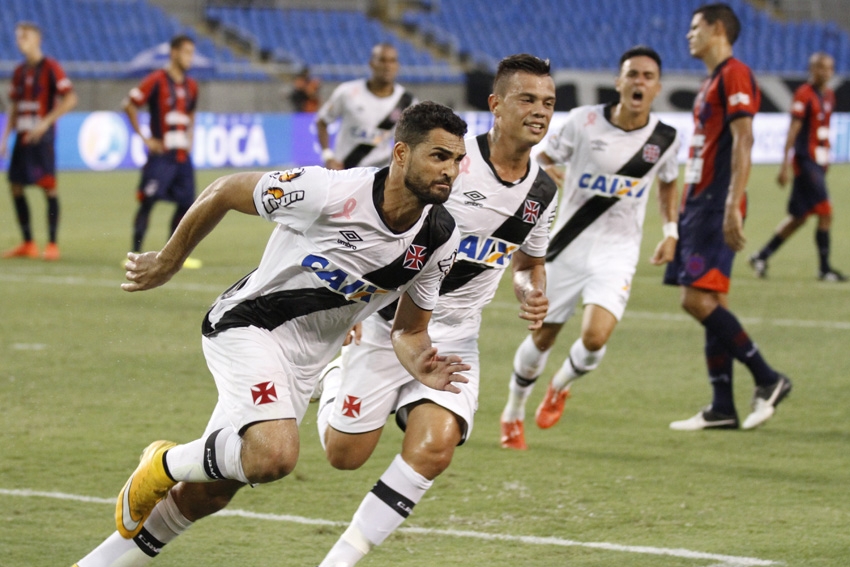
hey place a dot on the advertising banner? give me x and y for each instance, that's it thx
(104, 141)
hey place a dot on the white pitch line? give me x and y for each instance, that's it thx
(724, 560)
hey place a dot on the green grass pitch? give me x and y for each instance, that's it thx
(90, 374)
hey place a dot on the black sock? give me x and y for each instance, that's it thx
(140, 224)
(771, 247)
(719, 363)
(22, 211)
(725, 326)
(53, 217)
(822, 241)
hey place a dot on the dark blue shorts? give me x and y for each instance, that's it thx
(808, 194)
(702, 260)
(166, 179)
(34, 164)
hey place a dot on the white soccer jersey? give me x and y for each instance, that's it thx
(332, 261)
(609, 177)
(495, 218)
(367, 127)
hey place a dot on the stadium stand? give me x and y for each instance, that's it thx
(97, 39)
(576, 34)
(336, 44)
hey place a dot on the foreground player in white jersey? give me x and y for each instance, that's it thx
(503, 203)
(614, 153)
(368, 110)
(346, 244)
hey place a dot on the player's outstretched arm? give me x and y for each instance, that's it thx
(529, 278)
(412, 346)
(153, 269)
(668, 197)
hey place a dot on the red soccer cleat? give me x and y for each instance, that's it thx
(551, 408)
(51, 253)
(26, 250)
(513, 435)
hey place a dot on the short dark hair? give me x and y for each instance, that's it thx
(178, 40)
(417, 121)
(519, 63)
(723, 12)
(638, 51)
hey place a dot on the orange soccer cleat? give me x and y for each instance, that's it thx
(551, 407)
(51, 253)
(26, 250)
(513, 435)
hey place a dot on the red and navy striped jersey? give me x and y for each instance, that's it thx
(34, 90)
(730, 92)
(814, 109)
(171, 107)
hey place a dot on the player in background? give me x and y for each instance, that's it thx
(711, 221)
(268, 336)
(40, 93)
(368, 110)
(614, 153)
(808, 137)
(503, 204)
(168, 175)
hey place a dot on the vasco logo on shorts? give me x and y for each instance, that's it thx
(338, 280)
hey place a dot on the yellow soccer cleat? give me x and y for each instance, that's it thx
(148, 484)
(192, 264)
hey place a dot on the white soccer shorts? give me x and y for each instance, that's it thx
(375, 384)
(255, 380)
(606, 282)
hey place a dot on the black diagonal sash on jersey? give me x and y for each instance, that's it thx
(663, 137)
(360, 151)
(514, 230)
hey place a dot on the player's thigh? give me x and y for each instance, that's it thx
(608, 287)
(181, 190)
(564, 283)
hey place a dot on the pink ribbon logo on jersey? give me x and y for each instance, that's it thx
(531, 211)
(347, 209)
(263, 393)
(414, 258)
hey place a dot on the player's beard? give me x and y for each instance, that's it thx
(425, 191)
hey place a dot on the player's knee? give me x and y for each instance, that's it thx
(544, 338)
(431, 458)
(342, 457)
(593, 339)
(270, 454)
(270, 466)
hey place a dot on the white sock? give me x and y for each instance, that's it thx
(332, 382)
(164, 524)
(580, 362)
(216, 457)
(529, 362)
(380, 513)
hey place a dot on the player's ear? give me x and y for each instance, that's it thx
(401, 153)
(493, 103)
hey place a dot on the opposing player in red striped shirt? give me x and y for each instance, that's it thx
(808, 136)
(40, 94)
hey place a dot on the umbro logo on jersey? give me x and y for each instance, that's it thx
(531, 211)
(474, 197)
(414, 258)
(598, 145)
(651, 153)
(349, 236)
(263, 393)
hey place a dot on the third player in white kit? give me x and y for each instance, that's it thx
(614, 153)
(503, 203)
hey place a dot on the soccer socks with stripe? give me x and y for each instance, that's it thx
(215, 457)
(580, 362)
(164, 524)
(22, 211)
(719, 363)
(380, 513)
(822, 241)
(529, 362)
(726, 327)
